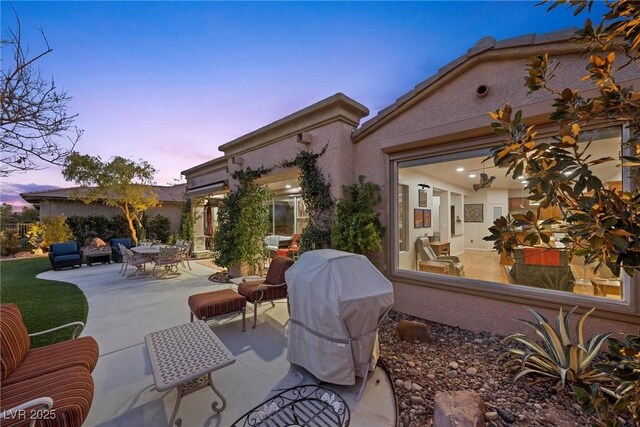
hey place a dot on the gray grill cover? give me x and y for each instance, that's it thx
(337, 301)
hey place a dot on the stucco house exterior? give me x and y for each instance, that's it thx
(58, 201)
(425, 150)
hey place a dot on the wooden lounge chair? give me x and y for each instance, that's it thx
(425, 253)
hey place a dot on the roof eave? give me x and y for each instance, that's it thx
(486, 49)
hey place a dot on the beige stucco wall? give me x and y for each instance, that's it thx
(484, 314)
(71, 208)
(337, 163)
(454, 103)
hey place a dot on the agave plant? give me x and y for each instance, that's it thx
(557, 355)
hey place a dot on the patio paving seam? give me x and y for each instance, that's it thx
(121, 349)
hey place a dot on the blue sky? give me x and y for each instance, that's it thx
(169, 82)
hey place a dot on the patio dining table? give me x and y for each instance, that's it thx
(147, 250)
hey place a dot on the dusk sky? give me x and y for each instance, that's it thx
(169, 82)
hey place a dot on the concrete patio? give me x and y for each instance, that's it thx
(122, 311)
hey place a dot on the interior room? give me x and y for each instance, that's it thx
(446, 205)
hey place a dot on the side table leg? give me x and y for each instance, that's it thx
(178, 422)
(214, 405)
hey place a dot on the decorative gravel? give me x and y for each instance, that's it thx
(465, 360)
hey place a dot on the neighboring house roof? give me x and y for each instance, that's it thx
(486, 48)
(166, 194)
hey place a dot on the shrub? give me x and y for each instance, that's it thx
(35, 234)
(119, 226)
(85, 228)
(557, 355)
(358, 228)
(158, 228)
(9, 242)
(51, 230)
(56, 230)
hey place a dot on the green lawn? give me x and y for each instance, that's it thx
(44, 303)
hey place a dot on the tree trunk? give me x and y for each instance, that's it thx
(132, 228)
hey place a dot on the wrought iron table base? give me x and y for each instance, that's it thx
(191, 387)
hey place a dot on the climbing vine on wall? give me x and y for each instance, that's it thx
(358, 228)
(243, 221)
(316, 193)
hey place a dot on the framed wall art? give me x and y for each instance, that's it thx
(422, 198)
(474, 212)
(426, 218)
(418, 218)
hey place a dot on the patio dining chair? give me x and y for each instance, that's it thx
(183, 251)
(137, 261)
(168, 260)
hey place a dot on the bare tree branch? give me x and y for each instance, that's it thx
(35, 124)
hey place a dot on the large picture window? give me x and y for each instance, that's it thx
(463, 207)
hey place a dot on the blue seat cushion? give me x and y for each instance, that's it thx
(125, 242)
(73, 257)
(64, 249)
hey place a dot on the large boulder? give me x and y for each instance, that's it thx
(97, 243)
(458, 409)
(414, 331)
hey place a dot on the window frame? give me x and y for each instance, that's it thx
(405, 219)
(626, 309)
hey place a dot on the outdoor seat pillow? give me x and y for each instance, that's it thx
(60, 258)
(44, 360)
(71, 390)
(14, 339)
(59, 249)
(275, 273)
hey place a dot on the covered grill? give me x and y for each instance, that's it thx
(337, 301)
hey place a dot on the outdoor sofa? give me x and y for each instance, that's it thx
(53, 382)
(65, 255)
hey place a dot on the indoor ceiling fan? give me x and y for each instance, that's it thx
(485, 182)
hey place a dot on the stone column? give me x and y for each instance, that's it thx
(199, 249)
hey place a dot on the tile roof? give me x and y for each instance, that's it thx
(174, 193)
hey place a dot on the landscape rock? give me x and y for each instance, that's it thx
(472, 371)
(493, 415)
(459, 409)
